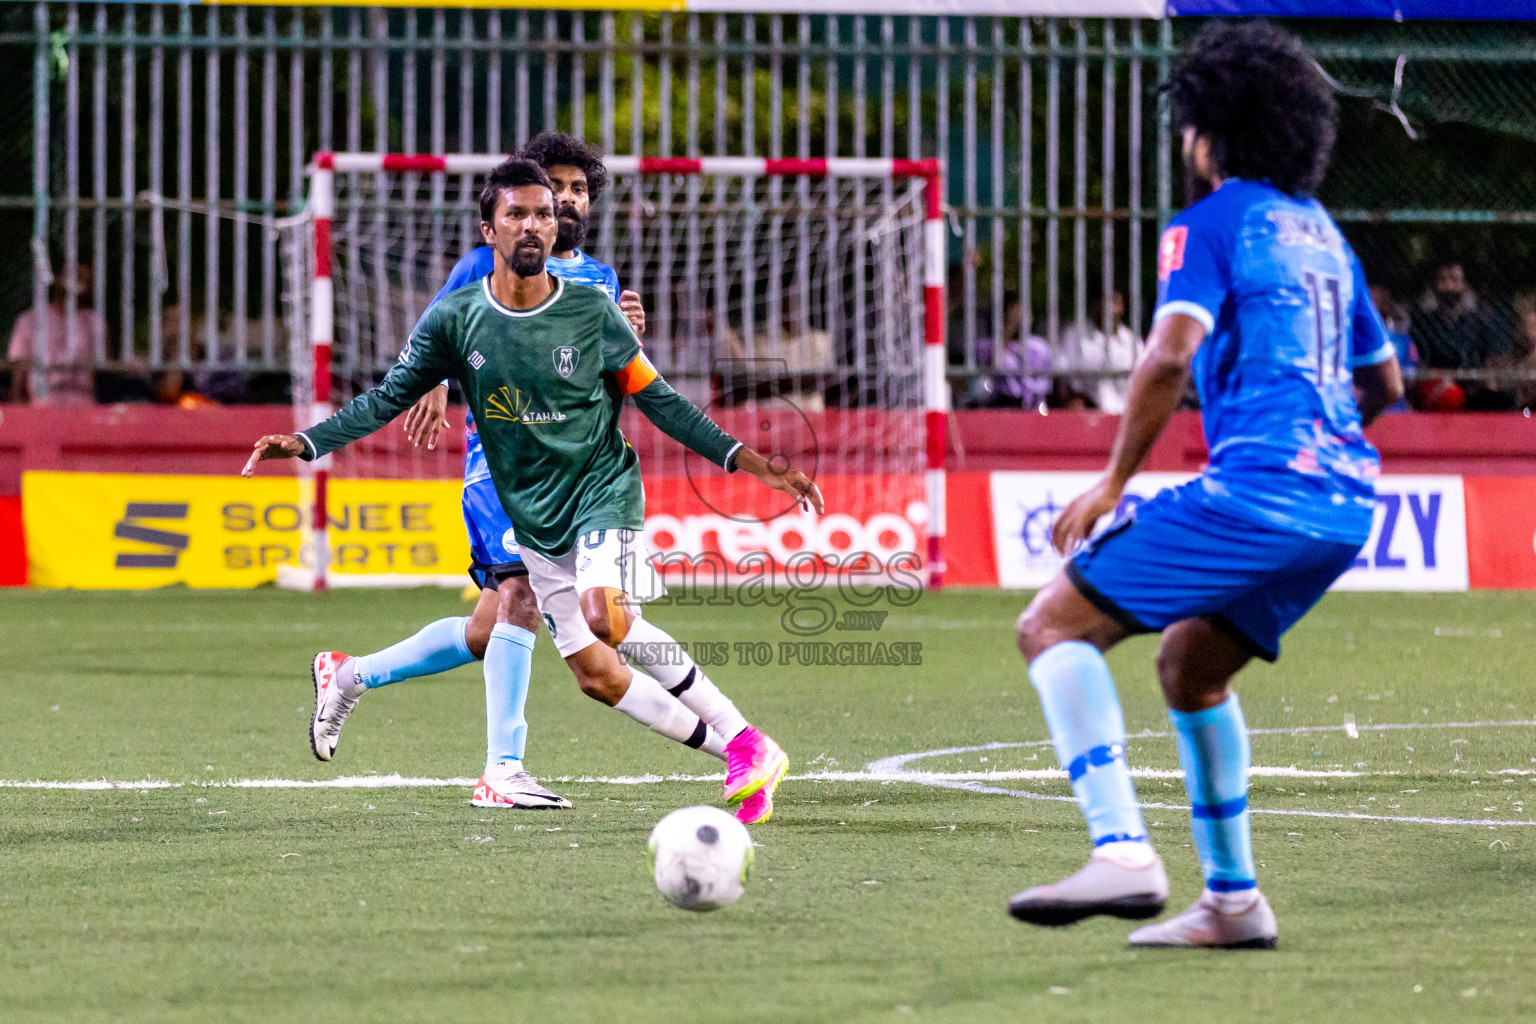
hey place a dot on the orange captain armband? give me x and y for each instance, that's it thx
(637, 376)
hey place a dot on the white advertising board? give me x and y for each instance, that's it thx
(1418, 537)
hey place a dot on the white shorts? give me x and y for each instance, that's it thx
(615, 559)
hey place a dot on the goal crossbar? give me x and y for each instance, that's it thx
(321, 329)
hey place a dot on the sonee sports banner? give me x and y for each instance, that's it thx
(129, 531)
(126, 531)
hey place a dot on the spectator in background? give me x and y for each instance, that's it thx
(1103, 361)
(1022, 367)
(65, 377)
(1453, 330)
(205, 385)
(1399, 325)
(1524, 355)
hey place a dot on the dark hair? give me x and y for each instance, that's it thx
(1256, 93)
(514, 173)
(550, 148)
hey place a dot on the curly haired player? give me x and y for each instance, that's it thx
(1262, 300)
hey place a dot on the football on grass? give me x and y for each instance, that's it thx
(700, 857)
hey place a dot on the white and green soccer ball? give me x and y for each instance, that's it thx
(700, 857)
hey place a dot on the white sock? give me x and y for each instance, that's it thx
(653, 649)
(1234, 902)
(346, 679)
(1128, 853)
(656, 709)
(503, 769)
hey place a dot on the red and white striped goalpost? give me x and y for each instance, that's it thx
(935, 258)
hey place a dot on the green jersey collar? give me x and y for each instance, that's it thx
(485, 285)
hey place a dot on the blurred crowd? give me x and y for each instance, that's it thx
(1458, 349)
(76, 372)
(1466, 351)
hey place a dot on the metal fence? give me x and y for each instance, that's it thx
(1060, 165)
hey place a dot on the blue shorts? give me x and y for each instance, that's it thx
(1177, 556)
(492, 544)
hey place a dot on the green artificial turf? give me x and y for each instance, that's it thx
(870, 901)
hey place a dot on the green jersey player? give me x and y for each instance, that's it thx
(546, 366)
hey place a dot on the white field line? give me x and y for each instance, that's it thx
(884, 770)
(411, 782)
(897, 765)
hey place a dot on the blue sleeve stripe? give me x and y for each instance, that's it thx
(1190, 309)
(1376, 358)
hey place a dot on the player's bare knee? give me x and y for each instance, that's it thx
(1033, 631)
(517, 605)
(1171, 673)
(606, 616)
(477, 634)
(607, 687)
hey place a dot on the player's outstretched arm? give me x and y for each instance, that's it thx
(1156, 387)
(790, 480)
(274, 446)
(422, 366)
(419, 370)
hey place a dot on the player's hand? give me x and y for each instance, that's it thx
(428, 418)
(274, 446)
(787, 479)
(633, 310)
(1077, 522)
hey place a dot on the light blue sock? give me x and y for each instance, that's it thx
(1083, 713)
(1213, 748)
(508, 666)
(438, 647)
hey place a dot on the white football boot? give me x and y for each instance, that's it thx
(514, 789)
(1206, 926)
(332, 704)
(1101, 887)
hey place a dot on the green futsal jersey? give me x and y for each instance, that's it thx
(545, 386)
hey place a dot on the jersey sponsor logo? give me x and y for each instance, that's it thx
(513, 406)
(1170, 251)
(507, 404)
(566, 358)
(476, 360)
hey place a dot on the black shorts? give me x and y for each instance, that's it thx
(491, 577)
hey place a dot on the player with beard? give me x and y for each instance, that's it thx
(1262, 301)
(684, 704)
(579, 176)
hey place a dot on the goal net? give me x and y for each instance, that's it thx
(799, 303)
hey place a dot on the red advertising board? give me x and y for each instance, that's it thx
(13, 543)
(1501, 532)
(734, 521)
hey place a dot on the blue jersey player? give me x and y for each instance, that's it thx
(1260, 300)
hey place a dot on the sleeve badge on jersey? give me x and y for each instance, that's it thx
(1170, 251)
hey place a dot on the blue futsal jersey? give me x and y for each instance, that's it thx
(1289, 317)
